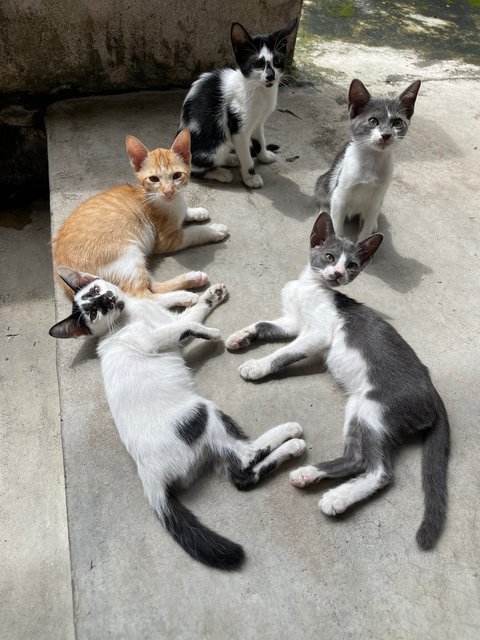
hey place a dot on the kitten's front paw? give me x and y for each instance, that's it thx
(239, 339)
(253, 370)
(267, 157)
(215, 294)
(303, 476)
(332, 504)
(296, 447)
(196, 279)
(198, 214)
(219, 232)
(255, 181)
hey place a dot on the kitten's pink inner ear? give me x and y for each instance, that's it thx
(181, 146)
(368, 247)
(358, 97)
(239, 35)
(69, 328)
(137, 152)
(75, 279)
(322, 229)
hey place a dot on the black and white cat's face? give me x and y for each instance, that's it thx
(380, 122)
(261, 58)
(96, 308)
(335, 260)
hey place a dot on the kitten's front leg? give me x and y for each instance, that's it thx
(264, 154)
(177, 334)
(297, 350)
(338, 212)
(197, 214)
(193, 235)
(278, 329)
(212, 297)
(241, 143)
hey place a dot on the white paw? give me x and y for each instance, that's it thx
(215, 294)
(292, 429)
(220, 174)
(332, 504)
(199, 214)
(253, 370)
(255, 181)
(295, 447)
(239, 340)
(267, 157)
(304, 475)
(219, 232)
(196, 279)
(214, 334)
(184, 299)
(232, 161)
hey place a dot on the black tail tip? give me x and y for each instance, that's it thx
(230, 561)
(426, 538)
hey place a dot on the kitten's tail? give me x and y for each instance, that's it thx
(196, 539)
(434, 476)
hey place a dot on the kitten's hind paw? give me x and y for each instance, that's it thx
(220, 174)
(304, 476)
(215, 294)
(239, 339)
(254, 182)
(267, 158)
(196, 279)
(333, 504)
(253, 370)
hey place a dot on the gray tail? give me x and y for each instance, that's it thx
(434, 476)
(197, 540)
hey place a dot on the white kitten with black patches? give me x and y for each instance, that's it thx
(362, 171)
(168, 429)
(390, 393)
(226, 109)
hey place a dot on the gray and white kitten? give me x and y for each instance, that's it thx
(390, 393)
(168, 429)
(225, 110)
(361, 172)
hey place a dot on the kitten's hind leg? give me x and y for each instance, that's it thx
(220, 174)
(278, 329)
(190, 280)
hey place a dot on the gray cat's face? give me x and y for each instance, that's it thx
(96, 307)
(338, 261)
(380, 122)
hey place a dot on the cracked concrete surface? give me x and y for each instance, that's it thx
(360, 575)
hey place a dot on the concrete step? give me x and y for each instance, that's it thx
(304, 572)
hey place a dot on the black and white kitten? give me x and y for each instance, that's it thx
(390, 393)
(361, 173)
(168, 429)
(225, 110)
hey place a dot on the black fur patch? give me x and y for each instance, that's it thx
(251, 171)
(233, 121)
(193, 427)
(231, 427)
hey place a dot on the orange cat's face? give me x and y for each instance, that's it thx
(161, 172)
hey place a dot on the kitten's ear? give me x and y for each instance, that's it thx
(137, 152)
(408, 97)
(280, 37)
(367, 248)
(358, 97)
(239, 36)
(322, 230)
(181, 146)
(70, 327)
(76, 280)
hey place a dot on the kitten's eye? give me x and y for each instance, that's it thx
(96, 290)
(177, 175)
(278, 60)
(258, 64)
(153, 178)
(93, 315)
(352, 266)
(329, 257)
(373, 122)
(397, 123)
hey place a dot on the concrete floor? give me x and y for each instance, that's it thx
(357, 576)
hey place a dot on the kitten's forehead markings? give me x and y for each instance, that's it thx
(266, 54)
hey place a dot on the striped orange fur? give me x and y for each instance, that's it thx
(111, 234)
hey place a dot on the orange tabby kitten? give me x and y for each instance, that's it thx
(112, 234)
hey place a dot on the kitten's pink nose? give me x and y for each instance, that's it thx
(168, 194)
(339, 272)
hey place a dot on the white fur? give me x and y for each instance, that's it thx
(361, 181)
